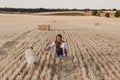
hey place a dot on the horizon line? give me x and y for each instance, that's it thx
(60, 8)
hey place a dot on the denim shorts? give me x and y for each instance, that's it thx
(59, 52)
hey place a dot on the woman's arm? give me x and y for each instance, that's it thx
(47, 49)
(64, 49)
(64, 52)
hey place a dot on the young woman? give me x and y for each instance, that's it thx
(60, 47)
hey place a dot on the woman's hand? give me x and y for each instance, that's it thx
(43, 50)
(64, 54)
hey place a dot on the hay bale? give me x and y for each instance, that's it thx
(44, 27)
(97, 24)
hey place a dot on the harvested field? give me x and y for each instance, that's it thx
(93, 52)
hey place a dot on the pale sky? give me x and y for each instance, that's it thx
(80, 4)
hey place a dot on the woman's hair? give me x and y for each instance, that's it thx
(59, 36)
(58, 43)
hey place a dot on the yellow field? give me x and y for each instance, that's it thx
(93, 50)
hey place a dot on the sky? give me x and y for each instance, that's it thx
(79, 4)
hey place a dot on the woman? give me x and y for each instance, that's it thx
(60, 47)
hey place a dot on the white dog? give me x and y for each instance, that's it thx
(31, 57)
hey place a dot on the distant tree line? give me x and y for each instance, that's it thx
(37, 10)
(97, 13)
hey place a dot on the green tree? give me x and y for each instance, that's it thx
(107, 15)
(117, 14)
(95, 12)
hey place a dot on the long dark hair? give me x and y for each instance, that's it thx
(58, 43)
